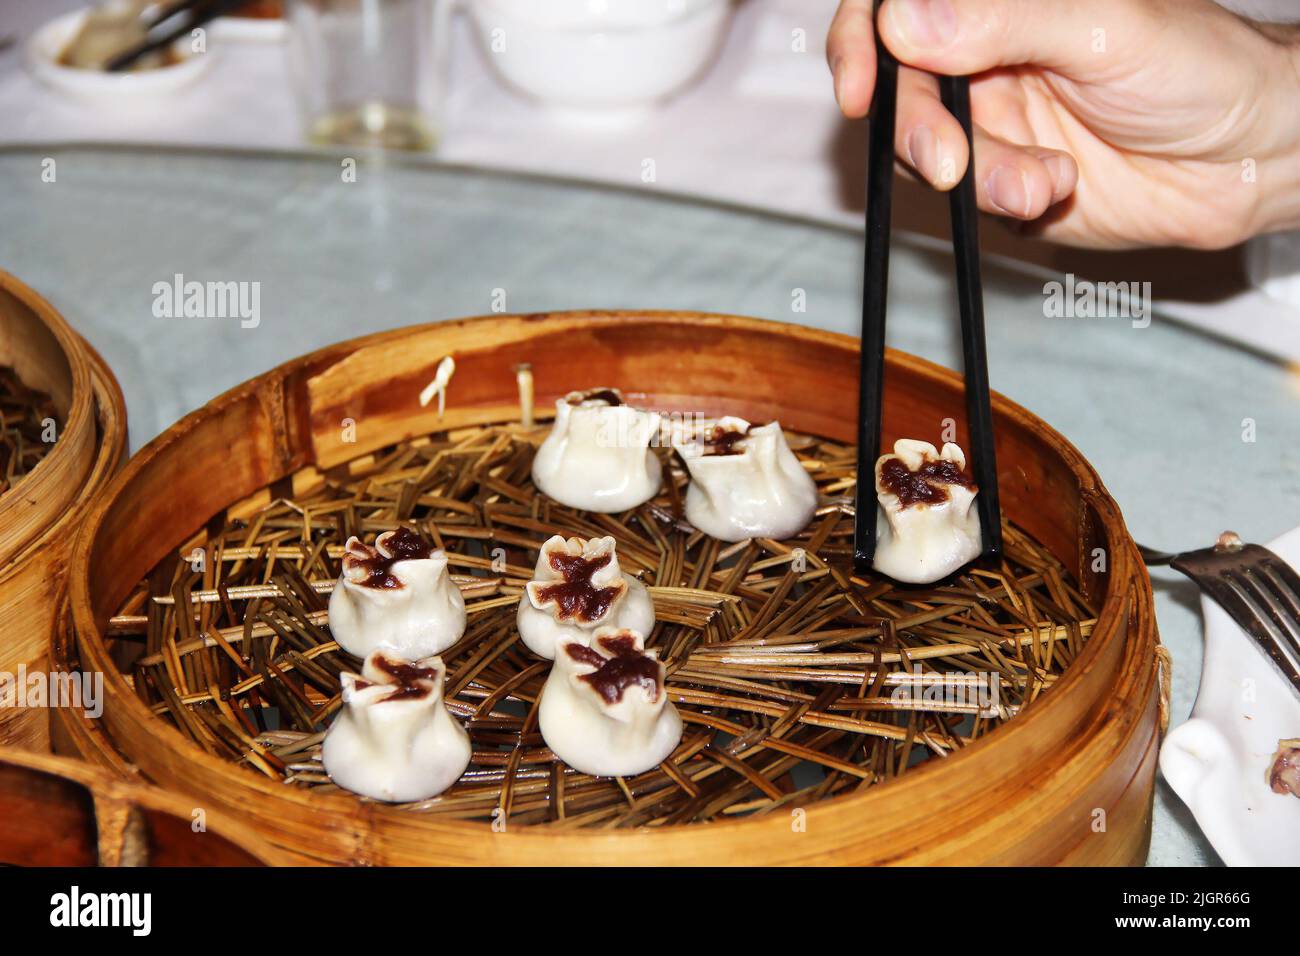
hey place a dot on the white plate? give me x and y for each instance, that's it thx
(48, 43)
(1218, 760)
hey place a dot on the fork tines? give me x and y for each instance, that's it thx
(1259, 590)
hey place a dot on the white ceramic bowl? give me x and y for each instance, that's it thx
(1218, 760)
(249, 29)
(48, 43)
(600, 54)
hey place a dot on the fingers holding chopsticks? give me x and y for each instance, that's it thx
(964, 37)
(1019, 181)
(1010, 180)
(851, 55)
(927, 138)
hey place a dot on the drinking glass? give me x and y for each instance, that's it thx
(369, 72)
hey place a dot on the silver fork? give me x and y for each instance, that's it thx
(1257, 588)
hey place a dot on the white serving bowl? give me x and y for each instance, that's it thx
(600, 55)
(249, 29)
(48, 43)
(1218, 760)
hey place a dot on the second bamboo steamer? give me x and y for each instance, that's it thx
(41, 513)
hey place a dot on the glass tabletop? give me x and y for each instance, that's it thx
(1191, 435)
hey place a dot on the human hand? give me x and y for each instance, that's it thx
(1111, 123)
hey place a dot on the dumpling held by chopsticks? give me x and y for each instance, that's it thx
(929, 526)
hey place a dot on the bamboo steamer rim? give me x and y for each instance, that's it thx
(57, 479)
(109, 408)
(1128, 593)
(110, 417)
(33, 581)
(109, 789)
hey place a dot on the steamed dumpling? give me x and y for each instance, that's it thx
(928, 525)
(394, 739)
(397, 595)
(598, 456)
(576, 587)
(745, 481)
(604, 709)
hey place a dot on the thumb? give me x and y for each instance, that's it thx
(960, 37)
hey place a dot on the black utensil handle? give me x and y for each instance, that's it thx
(875, 288)
(167, 11)
(200, 15)
(955, 93)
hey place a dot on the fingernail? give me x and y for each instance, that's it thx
(1056, 169)
(923, 153)
(924, 24)
(1009, 190)
(837, 72)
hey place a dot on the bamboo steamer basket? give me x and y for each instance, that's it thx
(1069, 781)
(61, 812)
(40, 515)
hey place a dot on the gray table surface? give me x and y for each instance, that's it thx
(1159, 410)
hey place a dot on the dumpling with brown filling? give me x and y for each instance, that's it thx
(396, 594)
(578, 586)
(604, 708)
(745, 481)
(394, 739)
(928, 525)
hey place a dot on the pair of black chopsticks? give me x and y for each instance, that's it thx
(191, 13)
(955, 93)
